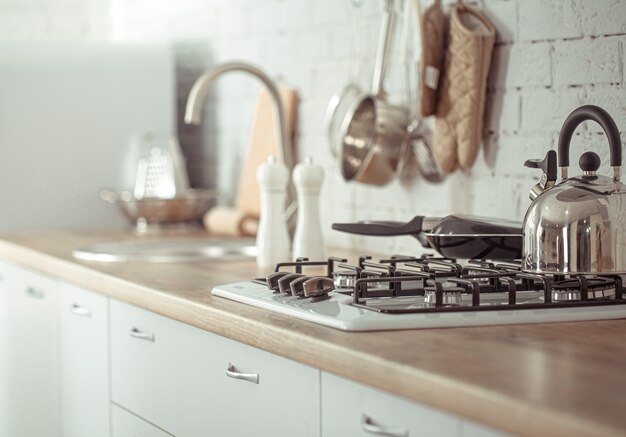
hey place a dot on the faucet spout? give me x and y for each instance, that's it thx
(193, 111)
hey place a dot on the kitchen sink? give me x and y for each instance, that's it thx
(169, 251)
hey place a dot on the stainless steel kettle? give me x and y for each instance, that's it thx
(579, 224)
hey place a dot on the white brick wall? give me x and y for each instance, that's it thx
(587, 60)
(54, 19)
(541, 20)
(551, 56)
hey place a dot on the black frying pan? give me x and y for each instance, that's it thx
(455, 236)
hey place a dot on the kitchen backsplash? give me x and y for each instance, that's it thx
(550, 57)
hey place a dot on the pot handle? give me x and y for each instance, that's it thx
(382, 53)
(600, 116)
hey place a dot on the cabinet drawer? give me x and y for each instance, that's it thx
(158, 369)
(84, 358)
(178, 378)
(125, 424)
(351, 409)
(259, 393)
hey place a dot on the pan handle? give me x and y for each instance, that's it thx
(383, 228)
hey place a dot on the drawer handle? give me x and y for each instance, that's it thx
(136, 333)
(34, 292)
(231, 372)
(390, 431)
(78, 310)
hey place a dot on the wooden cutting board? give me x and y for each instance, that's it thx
(263, 143)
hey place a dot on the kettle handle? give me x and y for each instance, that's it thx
(600, 116)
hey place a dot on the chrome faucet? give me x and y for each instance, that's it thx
(193, 112)
(193, 115)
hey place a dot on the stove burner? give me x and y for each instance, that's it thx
(450, 296)
(570, 290)
(401, 285)
(344, 279)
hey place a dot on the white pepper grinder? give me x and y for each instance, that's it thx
(272, 238)
(308, 240)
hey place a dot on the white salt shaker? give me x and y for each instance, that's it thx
(272, 238)
(308, 240)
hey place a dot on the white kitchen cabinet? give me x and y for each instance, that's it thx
(31, 374)
(126, 424)
(84, 374)
(351, 409)
(175, 376)
(4, 357)
(261, 394)
(59, 344)
(159, 369)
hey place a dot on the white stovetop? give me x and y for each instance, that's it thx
(337, 312)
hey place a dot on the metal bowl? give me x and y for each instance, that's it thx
(188, 206)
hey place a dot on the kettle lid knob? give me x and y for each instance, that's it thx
(589, 162)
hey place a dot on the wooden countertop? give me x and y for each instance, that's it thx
(564, 379)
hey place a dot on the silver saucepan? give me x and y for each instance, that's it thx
(375, 134)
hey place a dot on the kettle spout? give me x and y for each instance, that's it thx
(537, 190)
(548, 179)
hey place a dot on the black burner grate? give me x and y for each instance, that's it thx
(404, 284)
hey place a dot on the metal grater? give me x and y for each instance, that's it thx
(158, 174)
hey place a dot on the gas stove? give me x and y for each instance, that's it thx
(404, 292)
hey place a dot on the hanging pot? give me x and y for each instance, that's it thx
(374, 132)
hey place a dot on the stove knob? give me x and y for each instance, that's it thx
(285, 282)
(272, 280)
(297, 286)
(317, 288)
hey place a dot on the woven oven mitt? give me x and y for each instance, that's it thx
(459, 122)
(432, 36)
